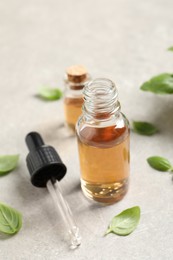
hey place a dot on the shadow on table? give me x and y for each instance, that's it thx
(5, 236)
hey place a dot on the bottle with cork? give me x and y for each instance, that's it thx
(103, 143)
(75, 79)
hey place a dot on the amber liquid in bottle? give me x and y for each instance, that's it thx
(72, 109)
(104, 162)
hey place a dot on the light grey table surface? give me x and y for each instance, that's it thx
(125, 41)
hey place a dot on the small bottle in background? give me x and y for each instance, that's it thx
(103, 142)
(76, 77)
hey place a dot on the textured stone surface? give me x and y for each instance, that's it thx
(125, 41)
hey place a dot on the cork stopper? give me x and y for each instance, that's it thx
(76, 73)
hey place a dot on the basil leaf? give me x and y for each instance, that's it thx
(170, 48)
(50, 93)
(125, 223)
(144, 128)
(8, 163)
(159, 163)
(161, 84)
(10, 220)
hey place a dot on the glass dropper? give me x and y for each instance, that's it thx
(62, 206)
(46, 170)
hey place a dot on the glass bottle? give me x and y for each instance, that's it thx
(103, 143)
(76, 77)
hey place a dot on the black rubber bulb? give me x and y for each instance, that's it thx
(34, 141)
(43, 161)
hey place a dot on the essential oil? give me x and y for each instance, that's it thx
(103, 142)
(76, 77)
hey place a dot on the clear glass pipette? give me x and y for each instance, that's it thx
(46, 170)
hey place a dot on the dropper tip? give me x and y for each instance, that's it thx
(75, 237)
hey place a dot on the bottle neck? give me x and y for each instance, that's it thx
(76, 85)
(100, 99)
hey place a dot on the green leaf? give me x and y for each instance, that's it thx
(159, 163)
(10, 220)
(161, 84)
(50, 94)
(125, 223)
(8, 163)
(170, 48)
(144, 128)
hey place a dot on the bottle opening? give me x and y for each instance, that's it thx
(101, 84)
(100, 98)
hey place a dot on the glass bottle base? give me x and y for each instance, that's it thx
(108, 193)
